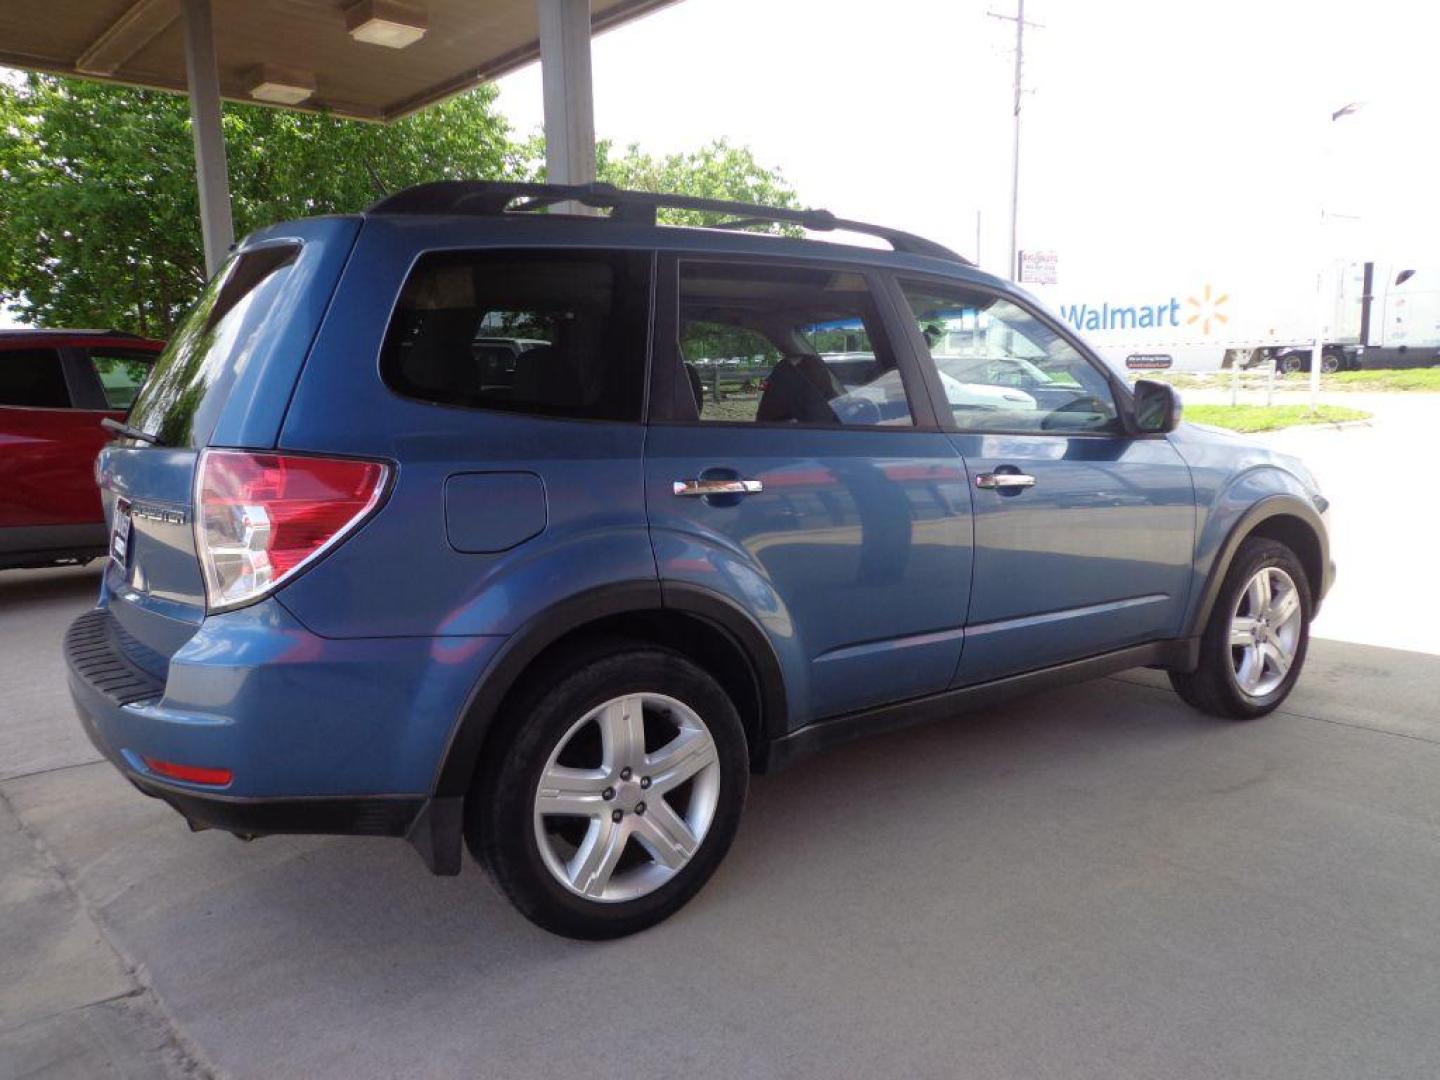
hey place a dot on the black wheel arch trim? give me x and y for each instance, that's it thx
(437, 830)
(462, 753)
(1271, 506)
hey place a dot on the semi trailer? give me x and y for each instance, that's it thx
(1376, 314)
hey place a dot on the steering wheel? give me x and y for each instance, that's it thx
(1089, 404)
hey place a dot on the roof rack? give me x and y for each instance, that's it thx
(498, 197)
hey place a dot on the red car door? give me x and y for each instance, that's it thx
(52, 399)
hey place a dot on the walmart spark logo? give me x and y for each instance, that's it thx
(1206, 309)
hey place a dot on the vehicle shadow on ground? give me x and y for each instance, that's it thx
(43, 586)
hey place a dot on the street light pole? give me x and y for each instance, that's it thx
(1317, 350)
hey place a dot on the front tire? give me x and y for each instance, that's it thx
(1254, 645)
(615, 792)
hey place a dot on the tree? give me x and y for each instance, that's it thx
(99, 219)
(99, 222)
(715, 171)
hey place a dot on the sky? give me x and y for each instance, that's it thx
(1157, 135)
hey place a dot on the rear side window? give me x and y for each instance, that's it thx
(121, 373)
(34, 378)
(181, 402)
(553, 333)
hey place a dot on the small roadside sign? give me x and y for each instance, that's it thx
(1148, 361)
(1039, 268)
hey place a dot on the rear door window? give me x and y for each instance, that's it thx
(121, 372)
(780, 344)
(551, 333)
(33, 378)
(180, 403)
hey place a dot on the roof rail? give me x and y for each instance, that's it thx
(500, 197)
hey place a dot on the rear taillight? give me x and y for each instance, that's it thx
(260, 517)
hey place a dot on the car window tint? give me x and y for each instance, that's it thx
(121, 374)
(34, 378)
(1003, 369)
(553, 333)
(786, 345)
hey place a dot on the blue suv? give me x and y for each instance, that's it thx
(462, 521)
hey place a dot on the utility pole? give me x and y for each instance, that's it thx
(1019, 20)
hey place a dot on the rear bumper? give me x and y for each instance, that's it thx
(322, 736)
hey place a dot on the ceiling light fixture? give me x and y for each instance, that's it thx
(281, 85)
(386, 22)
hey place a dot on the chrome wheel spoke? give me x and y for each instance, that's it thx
(1259, 592)
(1284, 607)
(622, 732)
(576, 792)
(679, 760)
(1252, 666)
(665, 834)
(598, 855)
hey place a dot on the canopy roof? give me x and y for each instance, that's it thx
(141, 42)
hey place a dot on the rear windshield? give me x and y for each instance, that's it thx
(181, 401)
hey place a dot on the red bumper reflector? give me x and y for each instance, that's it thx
(195, 774)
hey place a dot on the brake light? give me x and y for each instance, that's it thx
(261, 517)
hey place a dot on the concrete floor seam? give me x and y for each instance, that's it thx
(192, 1058)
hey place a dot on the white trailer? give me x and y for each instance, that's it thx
(1377, 314)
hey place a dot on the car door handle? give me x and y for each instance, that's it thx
(1004, 480)
(700, 488)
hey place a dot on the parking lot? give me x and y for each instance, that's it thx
(1095, 882)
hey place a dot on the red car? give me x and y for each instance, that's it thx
(55, 388)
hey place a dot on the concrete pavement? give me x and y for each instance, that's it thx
(1096, 882)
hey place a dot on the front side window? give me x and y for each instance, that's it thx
(33, 378)
(1005, 370)
(786, 345)
(552, 333)
(121, 373)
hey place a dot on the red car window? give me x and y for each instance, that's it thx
(33, 378)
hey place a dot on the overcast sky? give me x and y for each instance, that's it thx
(1157, 134)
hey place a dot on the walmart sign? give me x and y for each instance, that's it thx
(1122, 317)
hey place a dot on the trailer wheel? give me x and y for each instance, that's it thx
(1292, 363)
(1331, 361)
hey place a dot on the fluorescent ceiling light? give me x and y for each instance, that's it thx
(385, 22)
(281, 85)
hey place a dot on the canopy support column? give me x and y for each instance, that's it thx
(210, 172)
(568, 93)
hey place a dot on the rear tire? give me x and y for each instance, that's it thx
(645, 757)
(1253, 647)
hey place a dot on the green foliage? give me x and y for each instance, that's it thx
(715, 171)
(1250, 418)
(99, 223)
(100, 226)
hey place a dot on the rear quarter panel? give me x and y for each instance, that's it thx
(403, 574)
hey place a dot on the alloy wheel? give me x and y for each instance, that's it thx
(1265, 632)
(627, 797)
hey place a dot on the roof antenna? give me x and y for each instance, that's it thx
(380, 188)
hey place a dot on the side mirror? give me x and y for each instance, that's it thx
(1157, 407)
(1404, 276)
